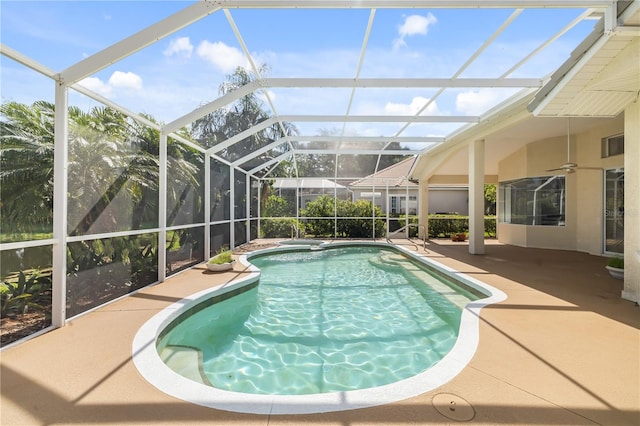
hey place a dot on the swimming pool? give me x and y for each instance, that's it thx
(319, 339)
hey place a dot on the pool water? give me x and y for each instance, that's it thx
(320, 321)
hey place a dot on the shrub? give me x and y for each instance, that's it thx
(223, 256)
(280, 228)
(616, 262)
(24, 290)
(443, 226)
(357, 217)
(322, 207)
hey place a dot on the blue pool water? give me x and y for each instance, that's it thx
(321, 321)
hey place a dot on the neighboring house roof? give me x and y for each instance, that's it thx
(306, 183)
(395, 175)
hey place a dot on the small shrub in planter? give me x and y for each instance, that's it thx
(222, 257)
(221, 261)
(615, 266)
(616, 262)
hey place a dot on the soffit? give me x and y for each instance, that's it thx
(603, 85)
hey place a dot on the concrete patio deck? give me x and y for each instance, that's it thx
(563, 349)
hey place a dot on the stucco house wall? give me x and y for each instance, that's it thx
(583, 230)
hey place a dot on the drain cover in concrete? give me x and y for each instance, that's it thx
(453, 407)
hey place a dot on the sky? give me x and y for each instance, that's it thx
(185, 69)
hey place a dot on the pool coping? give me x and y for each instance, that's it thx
(156, 372)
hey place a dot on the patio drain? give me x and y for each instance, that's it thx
(453, 407)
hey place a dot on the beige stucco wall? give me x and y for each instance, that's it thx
(584, 222)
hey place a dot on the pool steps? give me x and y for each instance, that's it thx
(400, 261)
(185, 361)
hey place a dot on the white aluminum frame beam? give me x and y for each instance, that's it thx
(348, 83)
(243, 135)
(141, 39)
(400, 139)
(363, 52)
(270, 162)
(256, 71)
(392, 83)
(381, 118)
(211, 107)
(410, 4)
(259, 152)
(26, 61)
(341, 151)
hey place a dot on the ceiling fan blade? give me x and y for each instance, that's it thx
(565, 166)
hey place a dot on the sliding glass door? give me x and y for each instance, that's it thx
(614, 211)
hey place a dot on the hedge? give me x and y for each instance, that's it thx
(443, 226)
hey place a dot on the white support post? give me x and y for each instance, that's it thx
(297, 207)
(373, 208)
(335, 202)
(423, 207)
(162, 209)
(476, 197)
(207, 206)
(259, 213)
(386, 197)
(406, 212)
(247, 222)
(232, 208)
(60, 206)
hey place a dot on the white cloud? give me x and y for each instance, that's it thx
(118, 80)
(413, 25)
(96, 85)
(125, 80)
(476, 102)
(180, 46)
(416, 25)
(412, 108)
(222, 56)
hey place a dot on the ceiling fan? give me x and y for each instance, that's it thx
(569, 166)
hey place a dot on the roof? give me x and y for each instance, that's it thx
(601, 76)
(394, 175)
(306, 183)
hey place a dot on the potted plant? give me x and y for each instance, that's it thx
(459, 236)
(222, 261)
(615, 266)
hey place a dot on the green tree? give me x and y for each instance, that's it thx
(26, 167)
(490, 199)
(278, 207)
(246, 112)
(321, 207)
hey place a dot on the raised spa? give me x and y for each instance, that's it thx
(322, 330)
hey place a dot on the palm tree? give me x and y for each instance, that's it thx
(243, 114)
(26, 167)
(109, 171)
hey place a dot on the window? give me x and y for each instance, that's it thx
(538, 201)
(612, 145)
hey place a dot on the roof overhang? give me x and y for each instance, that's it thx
(602, 75)
(599, 80)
